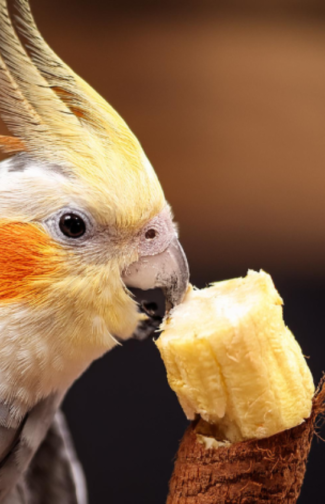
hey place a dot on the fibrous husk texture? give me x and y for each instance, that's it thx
(264, 471)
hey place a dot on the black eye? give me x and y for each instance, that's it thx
(151, 234)
(72, 225)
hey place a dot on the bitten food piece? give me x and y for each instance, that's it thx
(231, 359)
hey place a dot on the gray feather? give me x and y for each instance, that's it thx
(40, 465)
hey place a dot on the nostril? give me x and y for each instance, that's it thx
(151, 234)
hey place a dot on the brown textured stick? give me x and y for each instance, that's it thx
(265, 471)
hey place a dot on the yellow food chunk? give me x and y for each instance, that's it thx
(231, 359)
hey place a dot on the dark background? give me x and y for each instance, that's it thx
(228, 100)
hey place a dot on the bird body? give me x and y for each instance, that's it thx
(82, 218)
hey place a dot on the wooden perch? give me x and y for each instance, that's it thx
(264, 471)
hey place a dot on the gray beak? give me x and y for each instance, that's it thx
(167, 270)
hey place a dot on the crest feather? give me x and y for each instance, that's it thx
(31, 109)
(33, 86)
(79, 96)
(15, 110)
(63, 103)
(58, 74)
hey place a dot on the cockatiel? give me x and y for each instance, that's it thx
(82, 217)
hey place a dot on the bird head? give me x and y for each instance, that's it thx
(82, 213)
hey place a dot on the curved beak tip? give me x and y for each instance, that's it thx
(175, 286)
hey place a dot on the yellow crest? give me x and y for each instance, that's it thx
(56, 117)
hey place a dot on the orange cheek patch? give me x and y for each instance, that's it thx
(28, 258)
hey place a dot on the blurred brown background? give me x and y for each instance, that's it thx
(228, 100)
